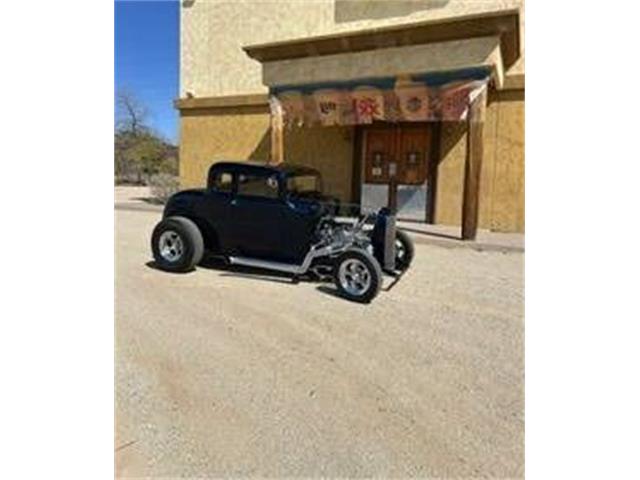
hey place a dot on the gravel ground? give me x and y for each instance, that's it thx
(225, 374)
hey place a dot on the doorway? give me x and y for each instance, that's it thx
(398, 167)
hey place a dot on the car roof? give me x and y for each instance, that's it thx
(286, 168)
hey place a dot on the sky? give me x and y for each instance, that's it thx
(146, 58)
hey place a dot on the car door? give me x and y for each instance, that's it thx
(256, 216)
(301, 215)
(217, 210)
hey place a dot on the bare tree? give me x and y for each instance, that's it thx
(131, 113)
(140, 152)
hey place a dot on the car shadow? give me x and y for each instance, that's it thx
(395, 279)
(152, 264)
(236, 271)
(151, 200)
(333, 291)
(228, 270)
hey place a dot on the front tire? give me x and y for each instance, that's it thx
(358, 275)
(177, 244)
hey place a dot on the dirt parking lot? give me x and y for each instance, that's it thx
(225, 374)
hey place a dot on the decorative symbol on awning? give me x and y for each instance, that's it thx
(367, 107)
(327, 107)
(368, 103)
(414, 99)
(414, 104)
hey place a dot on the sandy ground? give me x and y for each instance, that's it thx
(224, 374)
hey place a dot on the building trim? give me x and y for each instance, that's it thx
(503, 23)
(221, 102)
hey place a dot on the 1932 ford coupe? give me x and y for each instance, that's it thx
(276, 217)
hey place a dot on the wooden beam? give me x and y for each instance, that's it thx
(432, 170)
(277, 135)
(473, 167)
(357, 162)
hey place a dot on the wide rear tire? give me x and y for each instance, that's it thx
(358, 275)
(177, 244)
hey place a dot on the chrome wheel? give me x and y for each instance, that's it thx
(171, 246)
(354, 277)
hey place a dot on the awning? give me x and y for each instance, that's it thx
(431, 96)
(425, 71)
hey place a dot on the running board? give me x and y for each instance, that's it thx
(266, 264)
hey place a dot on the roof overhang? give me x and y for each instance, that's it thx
(481, 53)
(504, 25)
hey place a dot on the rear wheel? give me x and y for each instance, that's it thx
(358, 275)
(177, 244)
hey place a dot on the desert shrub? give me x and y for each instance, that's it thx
(163, 185)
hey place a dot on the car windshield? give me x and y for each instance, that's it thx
(304, 184)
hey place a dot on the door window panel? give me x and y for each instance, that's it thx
(379, 144)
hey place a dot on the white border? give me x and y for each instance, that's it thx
(56, 338)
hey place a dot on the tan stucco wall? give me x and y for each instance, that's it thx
(502, 179)
(502, 204)
(212, 62)
(327, 149)
(450, 174)
(243, 134)
(229, 134)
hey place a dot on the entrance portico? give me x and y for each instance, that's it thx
(396, 87)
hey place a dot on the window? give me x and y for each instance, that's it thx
(305, 183)
(223, 182)
(258, 185)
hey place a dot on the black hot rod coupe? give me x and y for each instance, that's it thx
(275, 217)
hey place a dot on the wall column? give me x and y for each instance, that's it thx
(473, 166)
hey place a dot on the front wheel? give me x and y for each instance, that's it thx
(358, 275)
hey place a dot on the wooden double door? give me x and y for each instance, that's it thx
(399, 156)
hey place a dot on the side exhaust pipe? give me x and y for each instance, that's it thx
(265, 264)
(314, 252)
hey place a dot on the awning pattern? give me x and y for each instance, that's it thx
(442, 96)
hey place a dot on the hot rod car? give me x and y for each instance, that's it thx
(276, 217)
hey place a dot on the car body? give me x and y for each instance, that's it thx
(252, 222)
(271, 216)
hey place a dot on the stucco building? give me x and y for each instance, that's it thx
(415, 103)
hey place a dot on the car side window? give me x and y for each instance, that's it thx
(258, 185)
(223, 182)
